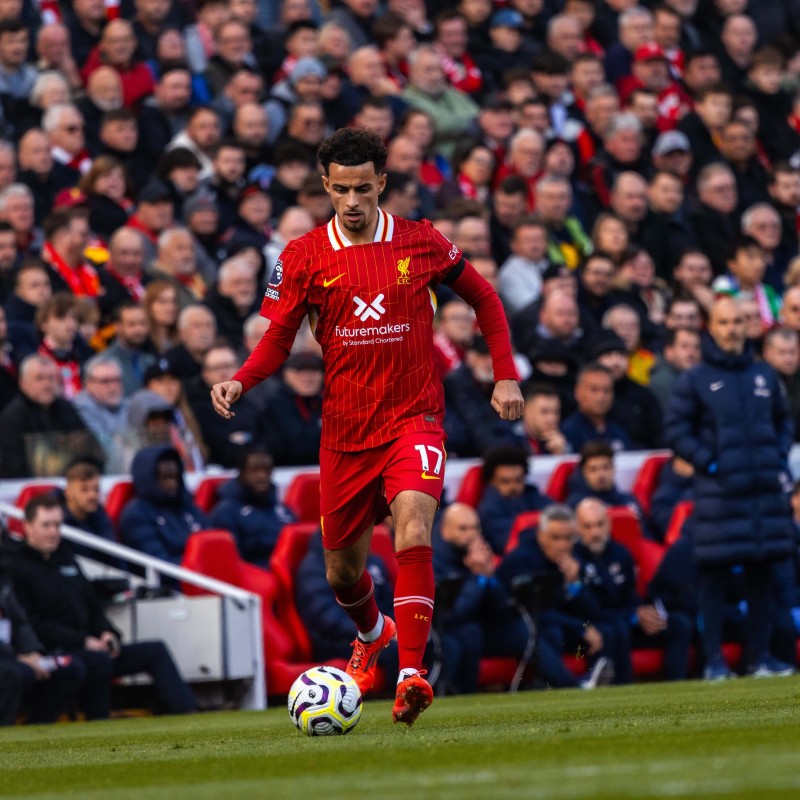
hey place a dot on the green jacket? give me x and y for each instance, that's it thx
(452, 113)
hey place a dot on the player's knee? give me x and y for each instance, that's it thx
(342, 576)
(414, 533)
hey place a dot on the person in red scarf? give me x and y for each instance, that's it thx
(176, 263)
(525, 157)
(450, 42)
(66, 233)
(57, 322)
(117, 47)
(473, 164)
(123, 277)
(395, 39)
(155, 212)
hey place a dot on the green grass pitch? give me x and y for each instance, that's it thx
(739, 739)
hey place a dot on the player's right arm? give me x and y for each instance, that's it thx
(285, 304)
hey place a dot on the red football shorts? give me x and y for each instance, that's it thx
(357, 489)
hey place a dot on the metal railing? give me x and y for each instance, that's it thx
(154, 568)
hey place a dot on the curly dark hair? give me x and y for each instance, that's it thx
(350, 147)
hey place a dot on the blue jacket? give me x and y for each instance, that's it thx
(611, 577)
(153, 522)
(255, 522)
(579, 431)
(672, 489)
(498, 513)
(729, 419)
(328, 625)
(578, 489)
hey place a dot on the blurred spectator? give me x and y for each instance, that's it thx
(681, 352)
(129, 346)
(105, 189)
(197, 330)
(745, 279)
(225, 438)
(161, 304)
(454, 332)
(201, 135)
(292, 223)
(17, 209)
(123, 278)
(41, 173)
(450, 43)
(473, 167)
(594, 395)
(450, 109)
(85, 22)
(101, 403)
(674, 486)
(103, 94)
(233, 299)
(400, 196)
(57, 322)
(610, 236)
(763, 223)
(740, 514)
(623, 142)
(176, 264)
(80, 501)
(471, 235)
(248, 507)
(626, 323)
(672, 152)
(16, 76)
(559, 320)
(507, 494)
(40, 687)
(39, 427)
(703, 126)
(473, 423)
(508, 206)
(153, 215)
(67, 234)
(569, 242)
(64, 127)
(521, 274)
(474, 617)
(784, 192)
(541, 418)
(524, 160)
(594, 289)
(782, 352)
(738, 147)
(595, 478)
(31, 291)
(635, 30)
(54, 49)
(164, 114)
(162, 515)
(117, 48)
(68, 616)
(692, 277)
(293, 417)
(569, 620)
(608, 569)
(713, 220)
(635, 408)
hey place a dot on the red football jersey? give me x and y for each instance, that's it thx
(371, 307)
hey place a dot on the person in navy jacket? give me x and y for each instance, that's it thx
(608, 569)
(571, 620)
(248, 507)
(506, 494)
(159, 520)
(729, 419)
(594, 394)
(675, 485)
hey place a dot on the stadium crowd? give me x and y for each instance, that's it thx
(613, 169)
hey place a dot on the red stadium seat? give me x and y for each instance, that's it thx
(120, 495)
(212, 553)
(626, 529)
(680, 514)
(472, 487)
(557, 485)
(650, 555)
(527, 519)
(646, 479)
(302, 497)
(205, 495)
(27, 493)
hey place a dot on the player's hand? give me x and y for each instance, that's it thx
(223, 395)
(507, 400)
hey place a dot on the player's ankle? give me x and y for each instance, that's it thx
(373, 634)
(407, 672)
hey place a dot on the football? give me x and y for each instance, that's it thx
(324, 701)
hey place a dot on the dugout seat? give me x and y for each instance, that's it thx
(626, 529)
(302, 497)
(680, 514)
(27, 493)
(206, 493)
(559, 478)
(118, 497)
(646, 480)
(472, 486)
(527, 519)
(650, 555)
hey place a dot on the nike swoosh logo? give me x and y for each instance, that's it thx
(326, 283)
(715, 387)
(427, 477)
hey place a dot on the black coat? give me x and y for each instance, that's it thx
(292, 426)
(714, 232)
(665, 237)
(230, 322)
(22, 418)
(46, 188)
(23, 637)
(728, 418)
(638, 413)
(61, 603)
(704, 151)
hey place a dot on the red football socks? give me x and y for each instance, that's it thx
(413, 604)
(359, 603)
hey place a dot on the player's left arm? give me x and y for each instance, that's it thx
(467, 282)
